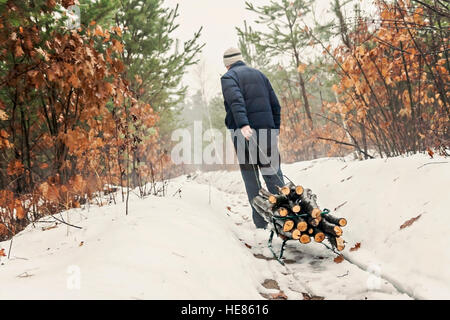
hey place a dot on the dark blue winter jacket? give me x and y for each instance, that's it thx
(249, 99)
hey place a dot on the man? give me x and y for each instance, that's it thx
(253, 115)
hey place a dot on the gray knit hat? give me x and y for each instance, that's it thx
(231, 56)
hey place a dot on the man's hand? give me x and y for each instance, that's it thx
(246, 132)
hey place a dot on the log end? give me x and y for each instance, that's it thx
(283, 212)
(316, 212)
(285, 190)
(302, 226)
(288, 225)
(304, 238)
(296, 234)
(340, 245)
(299, 190)
(272, 199)
(342, 222)
(319, 237)
(337, 231)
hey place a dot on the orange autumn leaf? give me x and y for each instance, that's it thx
(3, 115)
(20, 212)
(43, 165)
(356, 247)
(2, 253)
(339, 259)
(3, 229)
(301, 68)
(278, 296)
(15, 168)
(18, 52)
(410, 222)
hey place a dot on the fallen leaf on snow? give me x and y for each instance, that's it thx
(49, 228)
(339, 259)
(356, 247)
(81, 243)
(410, 222)
(2, 253)
(278, 296)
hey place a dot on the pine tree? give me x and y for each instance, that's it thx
(286, 35)
(155, 61)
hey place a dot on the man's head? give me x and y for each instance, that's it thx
(231, 56)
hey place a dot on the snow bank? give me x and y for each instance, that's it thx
(165, 249)
(377, 197)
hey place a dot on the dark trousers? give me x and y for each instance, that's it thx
(271, 172)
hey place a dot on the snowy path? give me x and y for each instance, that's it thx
(397, 209)
(310, 270)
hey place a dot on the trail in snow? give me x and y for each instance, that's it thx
(310, 270)
(194, 247)
(377, 197)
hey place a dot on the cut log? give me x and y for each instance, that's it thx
(319, 236)
(302, 225)
(330, 228)
(291, 190)
(313, 222)
(283, 212)
(316, 213)
(334, 220)
(295, 207)
(277, 199)
(337, 242)
(286, 190)
(288, 225)
(309, 203)
(305, 238)
(299, 190)
(310, 231)
(277, 225)
(296, 234)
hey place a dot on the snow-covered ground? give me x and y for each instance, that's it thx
(201, 244)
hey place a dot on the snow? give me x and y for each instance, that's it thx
(164, 249)
(204, 245)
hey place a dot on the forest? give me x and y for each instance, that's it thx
(89, 110)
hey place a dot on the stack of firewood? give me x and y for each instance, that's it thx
(294, 214)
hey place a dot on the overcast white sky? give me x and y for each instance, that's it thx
(219, 19)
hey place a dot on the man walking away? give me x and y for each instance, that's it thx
(253, 117)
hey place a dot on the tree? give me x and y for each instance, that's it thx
(155, 61)
(286, 35)
(217, 112)
(69, 123)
